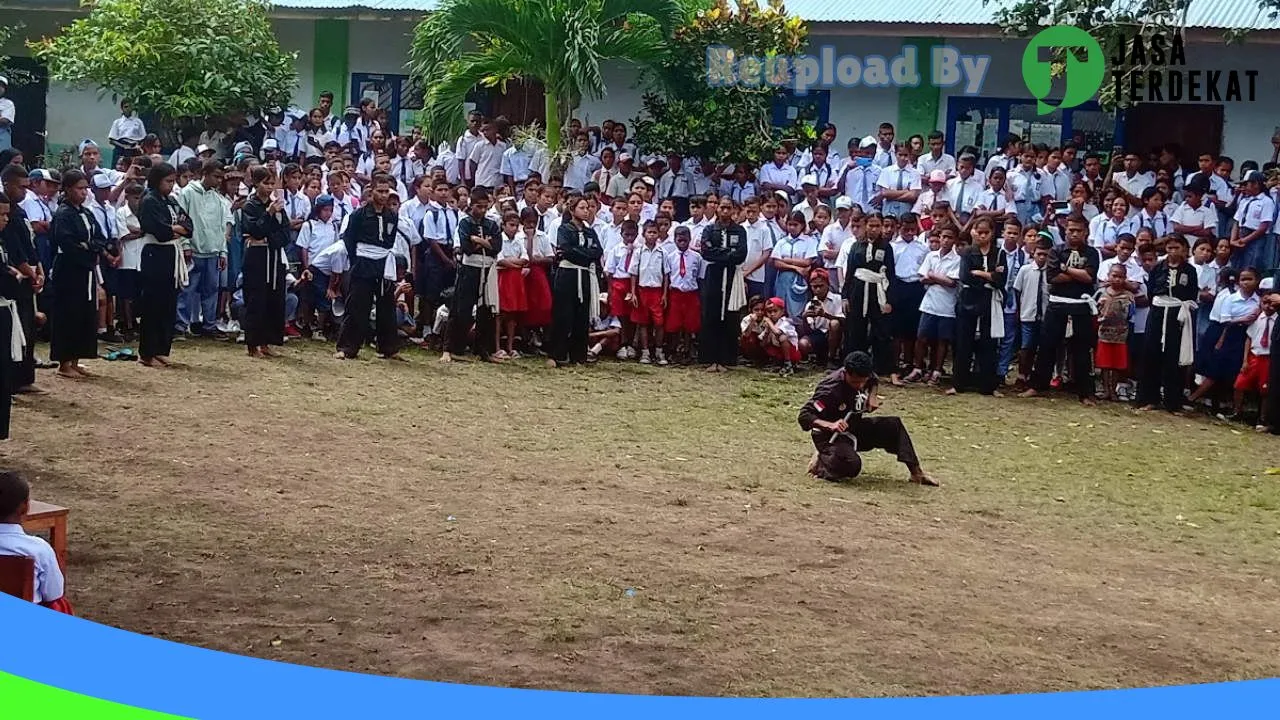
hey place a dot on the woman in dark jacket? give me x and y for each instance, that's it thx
(164, 270)
(266, 235)
(77, 241)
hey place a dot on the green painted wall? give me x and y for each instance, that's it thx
(918, 106)
(330, 67)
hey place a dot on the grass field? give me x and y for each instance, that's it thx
(632, 529)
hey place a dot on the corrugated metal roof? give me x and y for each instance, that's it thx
(371, 5)
(1216, 14)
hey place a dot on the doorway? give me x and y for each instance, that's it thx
(30, 109)
(1198, 128)
(523, 102)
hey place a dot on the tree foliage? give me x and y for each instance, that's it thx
(685, 115)
(179, 59)
(1112, 23)
(562, 43)
(16, 76)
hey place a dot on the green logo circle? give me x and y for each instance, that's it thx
(1082, 72)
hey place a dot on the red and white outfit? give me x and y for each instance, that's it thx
(785, 346)
(537, 285)
(1253, 376)
(684, 306)
(617, 266)
(648, 267)
(511, 294)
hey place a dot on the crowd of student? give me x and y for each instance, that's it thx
(1045, 261)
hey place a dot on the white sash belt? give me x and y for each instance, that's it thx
(734, 290)
(1186, 345)
(997, 312)
(180, 278)
(1082, 300)
(17, 339)
(488, 278)
(377, 252)
(593, 288)
(877, 279)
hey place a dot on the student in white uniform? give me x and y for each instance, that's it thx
(936, 158)
(1195, 217)
(1105, 230)
(899, 185)
(1132, 182)
(940, 275)
(965, 188)
(15, 503)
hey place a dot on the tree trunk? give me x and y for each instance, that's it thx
(553, 120)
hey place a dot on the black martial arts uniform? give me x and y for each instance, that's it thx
(575, 295)
(160, 275)
(1068, 313)
(838, 458)
(20, 245)
(979, 305)
(77, 242)
(263, 273)
(370, 239)
(474, 295)
(867, 328)
(724, 249)
(1162, 372)
(10, 288)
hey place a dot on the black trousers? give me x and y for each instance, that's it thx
(21, 374)
(6, 372)
(365, 295)
(1053, 331)
(463, 313)
(263, 285)
(838, 456)
(718, 338)
(1161, 378)
(872, 333)
(570, 317)
(974, 346)
(74, 331)
(157, 301)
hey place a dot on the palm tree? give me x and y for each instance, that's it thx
(562, 43)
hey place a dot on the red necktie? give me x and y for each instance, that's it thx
(682, 268)
(1266, 334)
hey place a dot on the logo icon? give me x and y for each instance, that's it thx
(1083, 66)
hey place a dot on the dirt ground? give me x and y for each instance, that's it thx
(632, 529)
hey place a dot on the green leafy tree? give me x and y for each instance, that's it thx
(684, 114)
(179, 59)
(16, 76)
(1112, 23)
(562, 43)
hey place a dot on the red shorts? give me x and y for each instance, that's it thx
(785, 351)
(618, 291)
(684, 311)
(1111, 356)
(1253, 377)
(650, 310)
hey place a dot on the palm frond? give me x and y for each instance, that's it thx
(442, 114)
(669, 14)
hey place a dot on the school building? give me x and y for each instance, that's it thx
(359, 49)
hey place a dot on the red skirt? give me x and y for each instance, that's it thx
(684, 311)
(537, 296)
(1112, 356)
(619, 289)
(511, 297)
(60, 605)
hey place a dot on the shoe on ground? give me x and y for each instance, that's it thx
(662, 359)
(292, 330)
(645, 359)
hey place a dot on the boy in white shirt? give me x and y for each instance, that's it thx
(940, 275)
(684, 305)
(1254, 215)
(15, 503)
(834, 238)
(780, 340)
(1195, 217)
(1254, 376)
(759, 248)
(647, 293)
(1032, 291)
(617, 266)
(824, 319)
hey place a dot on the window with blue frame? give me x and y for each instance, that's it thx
(814, 105)
(984, 123)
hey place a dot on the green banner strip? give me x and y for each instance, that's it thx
(26, 699)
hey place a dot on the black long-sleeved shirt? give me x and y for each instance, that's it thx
(485, 228)
(876, 257)
(257, 223)
(363, 226)
(157, 215)
(975, 293)
(1182, 282)
(579, 245)
(835, 399)
(1063, 257)
(19, 242)
(724, 245)
(76, 236)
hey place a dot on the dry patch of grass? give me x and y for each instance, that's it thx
(633, 529)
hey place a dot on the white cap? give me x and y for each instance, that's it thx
(844, 203)
(202, 149)
(102, 182)
(624, 157)
(85, 143)
(866, 142)
(242, 148)
(1267, 284)
(4, 81)
(783, 194)
(809, 179)
(270, 144)
(938, 176)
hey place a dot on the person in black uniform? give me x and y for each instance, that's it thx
(163, 271)
(20, 245)
(1071, 272)
(1174, 288)
(77, 242)
(979, 312)
(370, 239)
(266, 233)
(11, 340)
(866, 287)
(1270, 419)
(575, 288)
(834, 418)
(724, 249)
(475, 293)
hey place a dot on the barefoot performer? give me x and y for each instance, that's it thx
(370, 238)
(834, 419)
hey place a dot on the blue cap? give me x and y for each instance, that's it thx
(323, 200)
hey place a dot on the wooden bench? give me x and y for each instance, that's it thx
(43, 516)
(18, 576)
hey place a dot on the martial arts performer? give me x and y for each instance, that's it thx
(724, 293)
(1072, 272)
(979, 312)
(868, 326)
(834, 419)
(1174, 288)
(266, 235)
(575, 287)
(370, 239)
(475, 296)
